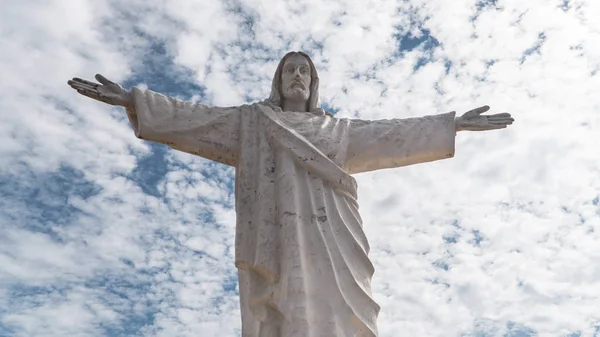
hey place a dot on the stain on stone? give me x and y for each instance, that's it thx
(321, 218)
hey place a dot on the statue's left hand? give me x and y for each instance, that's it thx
(473, 120)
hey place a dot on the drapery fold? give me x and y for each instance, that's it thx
(304, 275)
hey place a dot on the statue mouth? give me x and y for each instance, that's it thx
(297, 84)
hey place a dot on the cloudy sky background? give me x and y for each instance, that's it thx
(102, 234)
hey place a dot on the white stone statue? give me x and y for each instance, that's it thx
(300, 249)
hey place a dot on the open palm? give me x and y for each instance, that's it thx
(473, 120)
(106, 91)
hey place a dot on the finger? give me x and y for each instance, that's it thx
(84, 82)
(500, 123)
(500, 119)
(79, 85)
(477, 111)
(81, 80)
(482, 109)
(501, 115)
(103, 80)
(490, 127)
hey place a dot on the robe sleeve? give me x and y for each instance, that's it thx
(209, 132)
(381, 144)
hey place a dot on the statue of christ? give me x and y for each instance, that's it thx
(300, 248)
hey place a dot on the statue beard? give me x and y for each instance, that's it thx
(296, 93)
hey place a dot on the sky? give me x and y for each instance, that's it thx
(103, 234)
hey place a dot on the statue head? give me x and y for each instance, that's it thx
(296, 78)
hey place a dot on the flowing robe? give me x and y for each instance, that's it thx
(300, 250)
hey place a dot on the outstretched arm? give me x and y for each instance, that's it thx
(209, 132)
(380, 144)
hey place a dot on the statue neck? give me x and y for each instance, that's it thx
(294, 105)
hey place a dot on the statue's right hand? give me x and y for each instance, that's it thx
(106, 91)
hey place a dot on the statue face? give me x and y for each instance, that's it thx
(295, 78)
